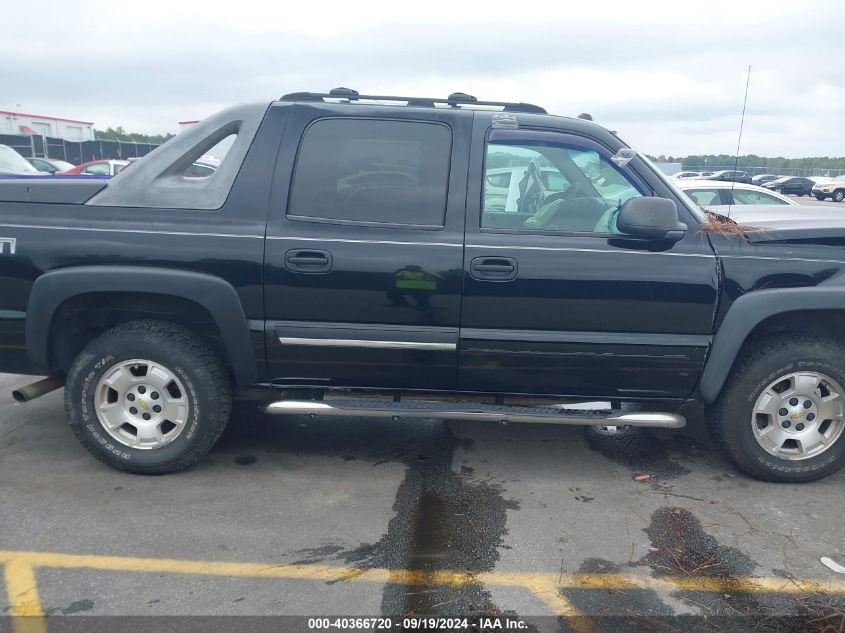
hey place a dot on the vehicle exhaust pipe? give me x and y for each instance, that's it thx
(37, 389)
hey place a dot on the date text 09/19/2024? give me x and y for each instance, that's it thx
(478, 623)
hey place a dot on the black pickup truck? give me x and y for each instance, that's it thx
(357, 255)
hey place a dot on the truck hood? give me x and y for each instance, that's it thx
(789, 223)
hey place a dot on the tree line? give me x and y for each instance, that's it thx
(752, 160)
(119, 134)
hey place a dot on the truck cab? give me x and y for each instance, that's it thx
(411, 257)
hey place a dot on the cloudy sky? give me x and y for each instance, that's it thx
(668, 76)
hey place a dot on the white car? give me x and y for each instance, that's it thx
(833, 189)
(713, 193)
(13, 164)
(681, 175)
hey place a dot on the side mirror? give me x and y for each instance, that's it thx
(651, 219)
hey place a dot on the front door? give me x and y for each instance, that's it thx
(364, 242)
(556, 300)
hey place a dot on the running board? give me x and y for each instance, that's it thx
(351, 407)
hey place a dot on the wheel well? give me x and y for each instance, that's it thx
(826, 323)
(83, 317)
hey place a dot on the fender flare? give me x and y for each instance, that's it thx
(746, 313)
(216, 295)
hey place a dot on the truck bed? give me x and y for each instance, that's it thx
(54, 190)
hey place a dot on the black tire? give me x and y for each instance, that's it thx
(819, 197)
(729, 418)
(198, 368)
(839, 195)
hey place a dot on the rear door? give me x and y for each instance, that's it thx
(556, 300)
(364, 247)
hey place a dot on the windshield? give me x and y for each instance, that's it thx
(10, 160)
(690, 204)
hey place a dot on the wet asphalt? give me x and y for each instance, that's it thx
(423, 495)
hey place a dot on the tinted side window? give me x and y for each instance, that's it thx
(358, 170)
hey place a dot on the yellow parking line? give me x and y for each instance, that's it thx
(23, 595)
(413, 577)
(550, 594)
(22, 590)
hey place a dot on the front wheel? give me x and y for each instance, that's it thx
(148, 397)
(819, 196)
(781, 415)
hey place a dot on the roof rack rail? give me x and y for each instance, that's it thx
(455, 99)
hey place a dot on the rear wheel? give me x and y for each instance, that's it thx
(839, 195)
(148, 397)
(781, 414)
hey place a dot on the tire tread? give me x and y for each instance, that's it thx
(172, 334)
(749, 362)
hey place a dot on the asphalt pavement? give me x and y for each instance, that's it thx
(292, 516)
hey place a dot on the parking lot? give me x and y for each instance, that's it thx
(369, 517)
(810, 201)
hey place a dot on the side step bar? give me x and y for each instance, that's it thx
(351, 407)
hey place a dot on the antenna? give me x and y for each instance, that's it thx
(739, 140)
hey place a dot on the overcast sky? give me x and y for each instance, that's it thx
(669, 77)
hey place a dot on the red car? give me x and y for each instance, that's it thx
(96, 168)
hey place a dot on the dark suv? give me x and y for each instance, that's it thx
(794, 185)
(730, 176)
(401, 257)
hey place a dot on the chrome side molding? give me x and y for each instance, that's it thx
(348, 342)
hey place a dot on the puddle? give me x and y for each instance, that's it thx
(637, 449)
(681, 547)
(444, 521)
(628, 611)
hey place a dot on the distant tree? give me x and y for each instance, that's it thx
(119, 134)
(726, 161)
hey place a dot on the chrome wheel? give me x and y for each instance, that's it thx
(141, 404)
(799, 416)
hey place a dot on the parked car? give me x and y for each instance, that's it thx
(50, 165)
(686, 174)
(502, 185)
(730, 176)
(203, 167)
(155, 300)
(13, 164)
(762, 179)
(758, 214)
(96, 168)
(712, 193)
(793, 185)
(834, 189)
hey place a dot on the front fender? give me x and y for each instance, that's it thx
(746, 313)
(216, 295)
